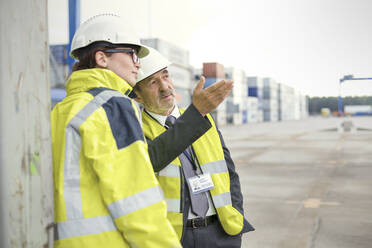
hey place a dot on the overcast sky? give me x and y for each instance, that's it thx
(307, 44)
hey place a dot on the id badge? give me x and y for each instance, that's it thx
(201, 183)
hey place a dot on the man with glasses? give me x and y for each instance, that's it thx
(105, 192)
(201, 186)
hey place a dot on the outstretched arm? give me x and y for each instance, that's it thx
(190, 126)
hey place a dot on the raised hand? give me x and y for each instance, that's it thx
(206, 100)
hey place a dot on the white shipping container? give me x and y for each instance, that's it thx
(183, 97)
(252, 109)
(255, 82)
(244, 104)
(252, 117)
(287, 112)
(270, 105)
(181, 76)
(174, 53)
(270, 89)
(304, 107)
(260, 115)
(240, 84)
(237, 118)
(238, 100)
(270, 115)
(297, 105)
(274, 116)
(221, 117)
(231, 107)
(354, 109)
(252, 103)
(287, 102)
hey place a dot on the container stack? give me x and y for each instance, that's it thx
(286, 103)
(304, 106)
(219, 114)
(297, 105)
(180, 69)
(356, 110)
(270, 102)
(253, 112)
(238, 106)
(214, 72)
(58, 65)
(255, 90)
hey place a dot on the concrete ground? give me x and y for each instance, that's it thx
(306, 184)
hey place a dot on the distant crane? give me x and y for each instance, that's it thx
(346, 78)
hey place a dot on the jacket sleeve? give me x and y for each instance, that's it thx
(190, 126)
(113, 143)
(235, 190)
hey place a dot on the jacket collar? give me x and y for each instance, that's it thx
(84, 80)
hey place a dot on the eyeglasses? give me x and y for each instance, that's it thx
(132, 52)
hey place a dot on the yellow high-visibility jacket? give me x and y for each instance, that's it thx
(105, 192)
(210, 156)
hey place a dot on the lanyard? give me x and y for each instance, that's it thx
(188, 156)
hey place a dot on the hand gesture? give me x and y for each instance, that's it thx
(206, 100)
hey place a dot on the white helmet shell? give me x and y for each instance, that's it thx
(105, 27)
(151, 64)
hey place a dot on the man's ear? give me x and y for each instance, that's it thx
(101, 59)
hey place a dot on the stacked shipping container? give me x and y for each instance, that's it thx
(255, 90)
(58, 65)
(253, 112)
(304, 106)
(238, 95)
(252, 99)
(270, 100)
(214, 72)
(286, 102)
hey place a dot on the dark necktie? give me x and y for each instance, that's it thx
(199, 202)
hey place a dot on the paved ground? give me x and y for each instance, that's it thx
(306, 184)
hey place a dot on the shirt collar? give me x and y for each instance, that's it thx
(161, 118)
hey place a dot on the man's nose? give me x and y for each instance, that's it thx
(163, 85)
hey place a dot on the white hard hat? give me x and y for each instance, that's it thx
(151, 64)
(105, 27)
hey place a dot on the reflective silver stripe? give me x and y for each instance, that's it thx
(135, 202)
(214, 167)
(139, 111)
(173, 205)
(76, 228)
(170, 170)
(72, 192)
(222, 199)
(72, 174)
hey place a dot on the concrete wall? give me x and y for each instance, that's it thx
(26, 189)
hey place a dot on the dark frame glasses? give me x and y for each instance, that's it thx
(124, 50)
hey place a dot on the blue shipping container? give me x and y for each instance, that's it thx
(211, 80)
(253, 91)
(244, 116)
(59, 52)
